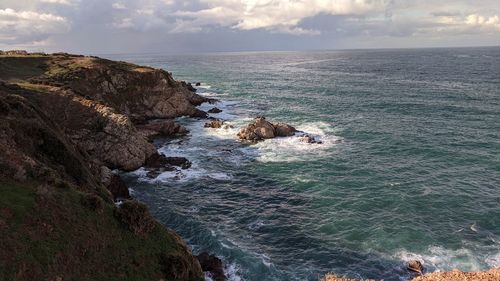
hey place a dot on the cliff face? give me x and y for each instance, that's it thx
(62, 120)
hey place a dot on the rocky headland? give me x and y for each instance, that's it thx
(66, 122)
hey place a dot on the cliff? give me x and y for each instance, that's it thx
(65, 121)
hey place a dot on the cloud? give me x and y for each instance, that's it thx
(62, 2)
(29, 26)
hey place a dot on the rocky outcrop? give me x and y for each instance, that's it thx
(65, 122)
(214, 110)
(262, 129)
(158, 163)
(457, 275)
(162, 128)
(213, 265)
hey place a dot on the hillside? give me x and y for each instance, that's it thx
(65, 122)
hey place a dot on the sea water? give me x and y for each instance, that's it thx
(409, 167)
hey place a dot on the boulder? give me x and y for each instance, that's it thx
(261, 129)
(213, 265)
(284, 130)
(415, 266)
(214, 110)
(310, 139)
(157, 161)
(198, 84)
(217, 124)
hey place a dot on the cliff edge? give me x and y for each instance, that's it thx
(64, 119)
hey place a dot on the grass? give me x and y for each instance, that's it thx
(21, 67)
(54, 232)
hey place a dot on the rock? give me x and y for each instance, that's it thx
(415, 266)
(188, 86)
(167, 128)
(262, 129)
(284, 130)
(214, 110)
(216, 124)
(198, 84)
(159, 161)
(213, 265)
(310, 139)
(118, 188)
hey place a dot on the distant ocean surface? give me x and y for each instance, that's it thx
(409, 167)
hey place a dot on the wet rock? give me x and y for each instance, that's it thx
(118, 188)
(198, 84)
(284, 130)
(159, 161)
(217, 124)
(214, 110)
(213, 265)
(310, 139)
(262, 129)
(415, 266)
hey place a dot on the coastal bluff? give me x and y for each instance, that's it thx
(65, 122)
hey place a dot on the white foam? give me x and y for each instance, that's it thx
(232, 272)
(446, 259)
(294, 149)
(220, 176)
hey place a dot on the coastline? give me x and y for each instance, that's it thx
(117, 162)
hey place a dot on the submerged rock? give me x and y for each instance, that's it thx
(213, 265)
(214, 110)
(262, 129)
(198, 84)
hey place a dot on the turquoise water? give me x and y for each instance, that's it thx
(409, 168)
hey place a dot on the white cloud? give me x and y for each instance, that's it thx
(118, 6)
(29, 26)
(62, 2)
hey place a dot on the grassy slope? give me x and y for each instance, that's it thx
(56, 231)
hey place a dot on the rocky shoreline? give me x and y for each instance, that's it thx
(67, 123)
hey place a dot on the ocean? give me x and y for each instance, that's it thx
(409, 167)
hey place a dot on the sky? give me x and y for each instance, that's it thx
(173, 26)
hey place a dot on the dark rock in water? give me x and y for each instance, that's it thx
(188, 86)
(159, 161)
(213, 265)
(214, 110)
(310, 139)
(199, 114)
(284, 130)
(415, 266)
(217, 124)
(118, 188)
(198, 84)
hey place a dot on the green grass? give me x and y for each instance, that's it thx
(21, 67)
(54, 233)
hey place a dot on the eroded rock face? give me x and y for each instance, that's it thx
(118, 188)
(213, 265)
(262, 129)
(162, 128)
